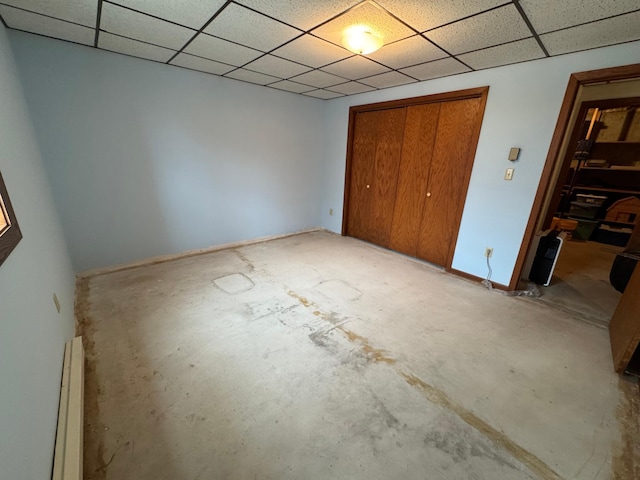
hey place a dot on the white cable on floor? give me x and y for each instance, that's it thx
(487, 281)
(532, 289)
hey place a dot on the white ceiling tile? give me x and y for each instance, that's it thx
(83, 12)
(252, 77)
(481, 33)
(32, 22)
(127, 46)
(410, 51)
(376, 20)
(276, 66)
(485, 30)
(128, 23)
(312, 51)
(319, 79)
(291, 86)
(549, 15)
(249, 28)
(389, 79)
(201, 64)
(519, 51)
(350, 88)
(304, 14)
(355, 67)
(323, 94)
(592, 35)
(191, 13)
(221, 50)
(423, 15)
(439, 68)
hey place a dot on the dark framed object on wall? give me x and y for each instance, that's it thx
(10, 234)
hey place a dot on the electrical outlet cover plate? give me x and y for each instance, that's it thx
(56, 302)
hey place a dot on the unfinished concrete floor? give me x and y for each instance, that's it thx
(580, 283)
(322, 357)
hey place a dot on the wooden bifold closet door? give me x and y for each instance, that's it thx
(408, 171)
(377, 145)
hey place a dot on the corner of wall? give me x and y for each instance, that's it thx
(33, 333)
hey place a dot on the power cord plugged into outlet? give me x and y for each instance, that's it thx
(487, 281)
(532, 289)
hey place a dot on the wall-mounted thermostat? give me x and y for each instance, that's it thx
(513, 154)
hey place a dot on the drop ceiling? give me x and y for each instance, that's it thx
(295, 45)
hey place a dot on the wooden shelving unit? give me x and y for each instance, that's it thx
(620, 178)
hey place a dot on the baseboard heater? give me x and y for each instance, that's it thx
(67, 459)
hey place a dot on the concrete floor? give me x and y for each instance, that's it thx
(580, 283)
(322, 357)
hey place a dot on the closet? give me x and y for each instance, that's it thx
(408, 169)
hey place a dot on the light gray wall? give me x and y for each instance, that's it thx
(146, 159)
(522, 110)
(32, 333)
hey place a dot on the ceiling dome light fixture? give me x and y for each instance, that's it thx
(361, 40)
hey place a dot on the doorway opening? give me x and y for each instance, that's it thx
(590, 191)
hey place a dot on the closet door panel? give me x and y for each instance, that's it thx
(417, 149)
(448, 180)
(385, 176)
(362, 164)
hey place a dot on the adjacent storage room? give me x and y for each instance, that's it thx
(408, 169)
(596, 203)
(602, 186)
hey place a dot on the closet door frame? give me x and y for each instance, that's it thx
(479, 92)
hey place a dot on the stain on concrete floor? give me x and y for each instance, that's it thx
(234, 283)
(320, 371)
(440, 398)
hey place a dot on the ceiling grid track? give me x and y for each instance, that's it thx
(98, 15)
(213, 17)
(533, 32)
(302, 51)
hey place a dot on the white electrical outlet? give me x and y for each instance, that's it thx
(488, 252)
(56, 302)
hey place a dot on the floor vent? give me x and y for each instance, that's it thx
(67, 460)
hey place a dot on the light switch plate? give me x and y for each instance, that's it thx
(514, 153)
(508, 175)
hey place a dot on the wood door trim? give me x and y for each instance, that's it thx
(435, 98)
(479, 92)
(576, 80)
